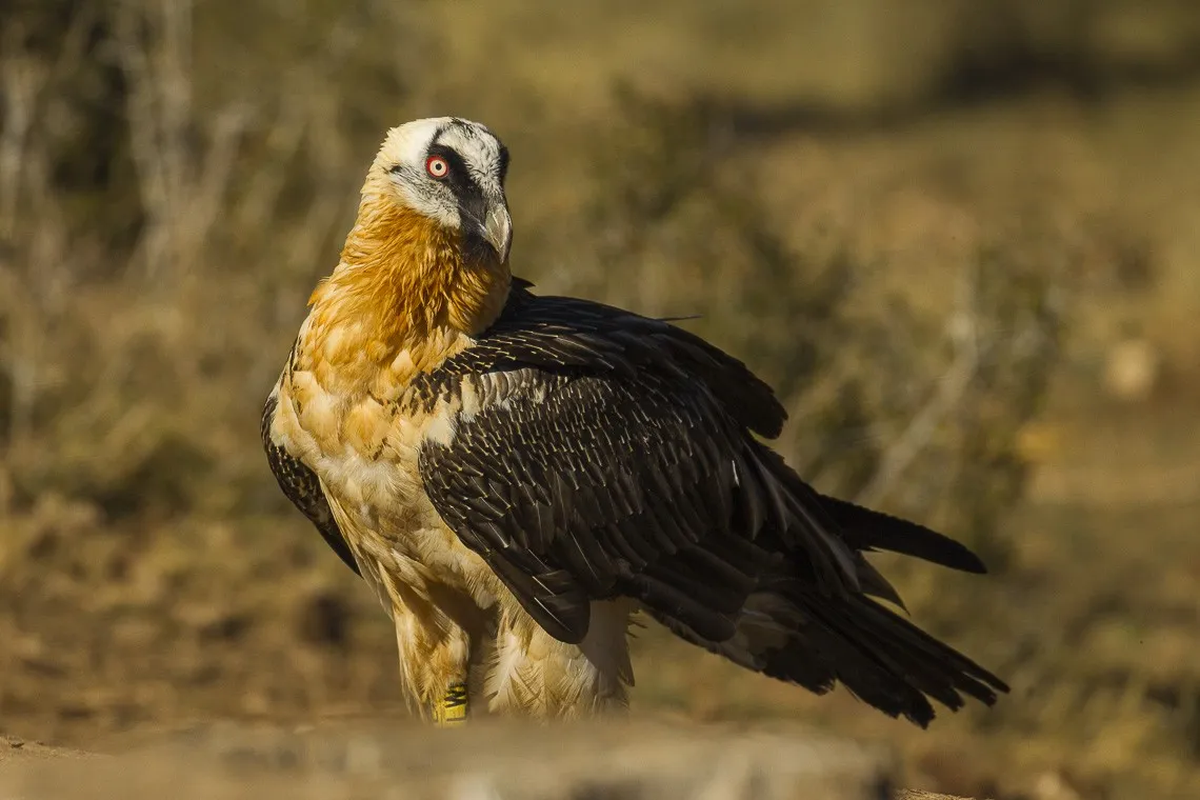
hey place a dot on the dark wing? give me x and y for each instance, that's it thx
(301, 485)
(610, 455)
(598, 453)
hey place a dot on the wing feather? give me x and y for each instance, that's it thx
(612, 466)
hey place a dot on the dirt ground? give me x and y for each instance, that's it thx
(388, 758)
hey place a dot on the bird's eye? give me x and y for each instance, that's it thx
(437, 167)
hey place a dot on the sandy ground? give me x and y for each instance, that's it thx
(381, 758)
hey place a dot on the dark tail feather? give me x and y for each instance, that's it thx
(880, 657)
(865, 529)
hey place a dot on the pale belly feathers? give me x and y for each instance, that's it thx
(366, 455)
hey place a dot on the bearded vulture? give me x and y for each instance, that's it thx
(516, 475)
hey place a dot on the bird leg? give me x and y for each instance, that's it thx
(452, 710)
(435, 653)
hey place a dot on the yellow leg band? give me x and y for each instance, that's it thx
(453, 708)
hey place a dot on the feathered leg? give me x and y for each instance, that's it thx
(530, 673)
(434, 653)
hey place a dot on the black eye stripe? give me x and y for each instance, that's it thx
(459, 176)
(458, 167)
(457, 164)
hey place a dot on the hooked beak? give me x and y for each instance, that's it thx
(497, 228)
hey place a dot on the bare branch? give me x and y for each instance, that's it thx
(964, 331)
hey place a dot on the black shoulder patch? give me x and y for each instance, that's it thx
(569, 335)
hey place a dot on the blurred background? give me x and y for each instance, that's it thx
(960, 236)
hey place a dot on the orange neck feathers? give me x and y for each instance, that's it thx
(404, 284)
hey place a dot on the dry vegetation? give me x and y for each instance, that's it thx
(930, 229)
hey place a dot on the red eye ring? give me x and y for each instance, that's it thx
(437, 167)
